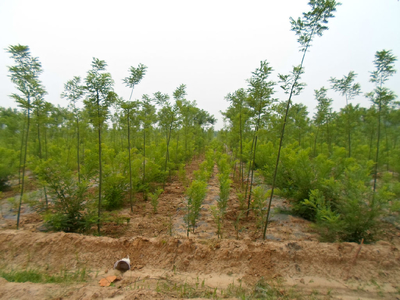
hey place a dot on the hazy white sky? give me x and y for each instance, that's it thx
(211, 46)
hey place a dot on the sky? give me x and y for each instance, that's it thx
(211, 46)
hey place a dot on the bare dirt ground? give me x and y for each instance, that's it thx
(291, 263)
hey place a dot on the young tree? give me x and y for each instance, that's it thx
(136, 75)
(39, 106)
(348, 89)
(312, 24)
(260, 92)
(25, 75)
(147, 116)
(323, 115)
(99, 97)
(381, 96)
(166, 120)
(237, 113)
(73, 92)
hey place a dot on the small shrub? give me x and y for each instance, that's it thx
(258, 204)
(154, 199)
(217, 216)
(71, 211)
(196, 194)
(115, 185)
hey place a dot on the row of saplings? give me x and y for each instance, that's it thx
(197, 191)
(335, 193)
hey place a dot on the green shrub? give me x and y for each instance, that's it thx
(70, 211)
(154, 199)
(8, 159)
(357, 212)
(196, 194)
(258, 204)
(115, 185)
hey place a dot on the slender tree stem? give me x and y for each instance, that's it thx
(24, 163)
(100, 166)
(282, 135)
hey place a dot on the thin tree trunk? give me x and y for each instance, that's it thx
(100, 168)
(370, 144)
(254, 158)
(252, 174)
(130, 162)
(23, 166)
(167, 154)
(248, 174)
(387, 146)
(40, 153)
(77, 150)
(349, 133)
(144, 154)
(21, 151)
(282, 135)
(377, 152)
(241, 149)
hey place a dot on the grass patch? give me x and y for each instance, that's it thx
(37, 276)
(263, 289)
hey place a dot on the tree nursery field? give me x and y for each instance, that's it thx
(276, 205)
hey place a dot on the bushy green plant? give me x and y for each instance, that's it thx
(210, 160)
(115, 185)
(241, 199)
(356, 213)
(218, 217)
(196, 194)
(70, 211)
(8, 159)
(154, 199)
(258, 204)
(115, 179)
(182, 175)
(202, 174)
(224, 169)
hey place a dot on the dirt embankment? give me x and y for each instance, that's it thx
(243, 260)
(255, 259)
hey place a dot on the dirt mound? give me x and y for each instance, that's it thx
(252, 259)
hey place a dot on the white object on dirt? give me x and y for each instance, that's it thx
(123, 265)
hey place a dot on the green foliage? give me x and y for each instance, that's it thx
(8, 160)
(115, 179)
(258, 204)
(154, 199)
(115, 185)
(202, 174)
(353, 216)
(224, 169)
(218, 217)
(334, 191)
(196, 194)
(71, 210)
(182, 175)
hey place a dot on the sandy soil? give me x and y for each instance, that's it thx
(166, 264)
